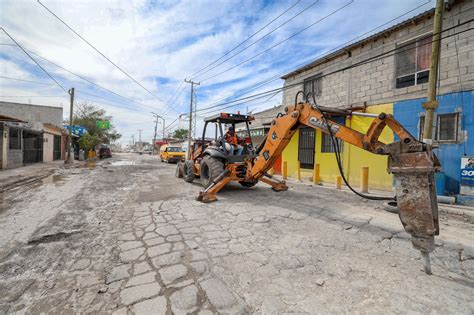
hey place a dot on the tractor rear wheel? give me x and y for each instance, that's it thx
(210, 169)
(188, 171)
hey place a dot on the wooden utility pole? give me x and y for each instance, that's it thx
(156, 125)
(190, 137)
(431, 103)
(154, 137)
(69, 140)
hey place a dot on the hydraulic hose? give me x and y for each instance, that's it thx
(336, 148)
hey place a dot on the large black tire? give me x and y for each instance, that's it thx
(210, 169)
(247, 184)
(188, 173)
(179, 170)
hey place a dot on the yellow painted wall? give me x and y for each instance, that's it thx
(353, 158)
(290, 155)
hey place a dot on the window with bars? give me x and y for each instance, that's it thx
(313, 84)
(306, 145)
(14, 139)
(326, 144)
(446, 129)
(412, 64)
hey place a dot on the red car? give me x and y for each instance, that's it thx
(104, 151)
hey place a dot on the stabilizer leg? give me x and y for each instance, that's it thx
(277, 185)
(209, 194)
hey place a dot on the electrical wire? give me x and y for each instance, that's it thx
(279, 43)
(31, 95)
(80, 77)
(380, 56)
(245, 40)
(34, 60)
(99, 52)
(36, 82)
(269, 80)
(263, 37)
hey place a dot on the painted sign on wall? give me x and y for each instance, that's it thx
(467, 171)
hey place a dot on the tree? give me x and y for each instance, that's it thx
(181, 134)
(87, 115)
(88, 141)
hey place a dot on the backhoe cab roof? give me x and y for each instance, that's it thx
(228, 118)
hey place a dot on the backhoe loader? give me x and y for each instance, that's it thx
(411, 162)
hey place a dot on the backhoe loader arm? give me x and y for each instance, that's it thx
(412, 163)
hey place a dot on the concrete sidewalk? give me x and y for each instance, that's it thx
(15, 177)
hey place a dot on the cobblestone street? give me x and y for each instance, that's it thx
(126, 236)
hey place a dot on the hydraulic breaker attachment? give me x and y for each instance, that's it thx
(416, 197)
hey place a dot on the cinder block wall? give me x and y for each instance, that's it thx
(374, 83)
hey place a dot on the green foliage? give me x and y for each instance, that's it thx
(87, 115)
(181, 134)
(88, 142)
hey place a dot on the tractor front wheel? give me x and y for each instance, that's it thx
(210, 169)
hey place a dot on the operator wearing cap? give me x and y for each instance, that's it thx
(233, 141)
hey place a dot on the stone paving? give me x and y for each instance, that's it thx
(132, 240)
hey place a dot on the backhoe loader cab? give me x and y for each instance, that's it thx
(209, 159)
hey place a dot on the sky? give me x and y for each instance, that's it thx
(160, 43)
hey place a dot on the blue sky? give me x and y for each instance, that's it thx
(162, 42)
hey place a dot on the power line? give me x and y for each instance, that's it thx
(80, 77)
(269, 80)
(248, 38)
(266, 81)
(389, 53)
(279, 43)
(98, 51)
(34, 60)
(31, 95)
(36, 82)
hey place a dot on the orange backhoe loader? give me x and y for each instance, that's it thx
(412, 162)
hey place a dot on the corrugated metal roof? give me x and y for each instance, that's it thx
(347, 48)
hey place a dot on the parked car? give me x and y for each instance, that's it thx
(169, 153)
(104, 151)
(148, 151)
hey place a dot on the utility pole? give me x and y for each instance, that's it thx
(154, 138)
(188, 157)
(69, 142)
(133, 141)
(164, 122)
(431, 103)
(139, 135)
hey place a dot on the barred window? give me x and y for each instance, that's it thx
(313, 84)
(326, 144)
(447, 127)
(14, 139)
(412, 65)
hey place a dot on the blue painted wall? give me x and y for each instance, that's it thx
(408, 112)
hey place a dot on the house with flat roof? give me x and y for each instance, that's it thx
(30, 134)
